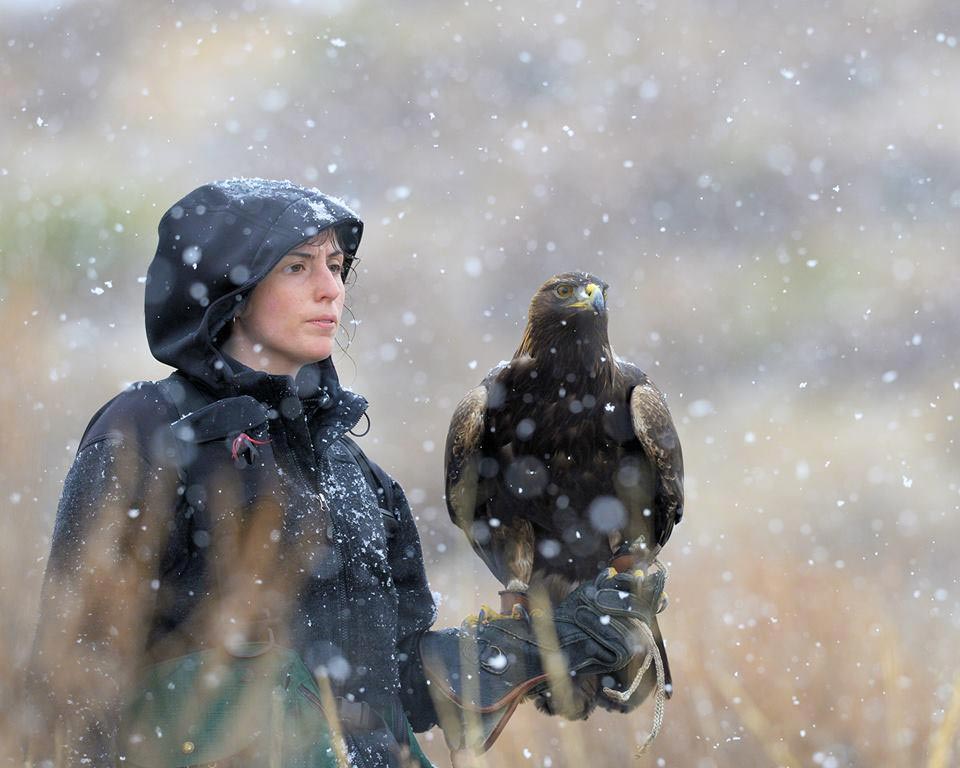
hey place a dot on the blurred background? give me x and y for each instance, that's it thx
(772, 191)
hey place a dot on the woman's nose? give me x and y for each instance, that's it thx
(325, 283)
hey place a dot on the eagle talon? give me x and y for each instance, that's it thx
(664, 602)
(513, 600)
(520, 612)
(484, 615)
(604, 575)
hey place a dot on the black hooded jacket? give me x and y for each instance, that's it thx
(175, 532)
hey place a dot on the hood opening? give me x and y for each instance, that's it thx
(215, 245)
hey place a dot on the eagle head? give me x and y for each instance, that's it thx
(571, 306)
(569, 294)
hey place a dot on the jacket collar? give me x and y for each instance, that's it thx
(316, 391)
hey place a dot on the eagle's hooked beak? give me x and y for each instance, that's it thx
(591, 296)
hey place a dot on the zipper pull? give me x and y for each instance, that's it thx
(243, 449)
(324, 504)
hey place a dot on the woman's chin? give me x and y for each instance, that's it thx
(321, 351)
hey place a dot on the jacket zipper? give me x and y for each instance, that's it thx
(328, 519)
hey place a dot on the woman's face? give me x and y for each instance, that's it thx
(292, 316)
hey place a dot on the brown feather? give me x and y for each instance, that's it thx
(462, 455)
(658, 437)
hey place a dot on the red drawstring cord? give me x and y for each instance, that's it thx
(238, 444)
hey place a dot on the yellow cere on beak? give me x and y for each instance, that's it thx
(594, 297)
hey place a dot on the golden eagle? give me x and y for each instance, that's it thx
(565, 458)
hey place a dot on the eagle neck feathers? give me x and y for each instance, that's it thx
(556, 350)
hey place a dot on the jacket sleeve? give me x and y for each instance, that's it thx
(98, 592)
(417, 612)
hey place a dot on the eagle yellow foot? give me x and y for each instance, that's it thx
(486, 614)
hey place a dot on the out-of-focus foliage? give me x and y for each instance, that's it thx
(772, 191)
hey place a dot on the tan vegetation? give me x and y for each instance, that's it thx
(772, 194)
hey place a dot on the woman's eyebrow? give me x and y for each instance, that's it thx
(310, 254)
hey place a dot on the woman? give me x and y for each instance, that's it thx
(226, 508)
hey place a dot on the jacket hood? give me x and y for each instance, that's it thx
(215, 245)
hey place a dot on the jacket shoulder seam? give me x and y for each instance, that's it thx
(112, 436)
(128, 404)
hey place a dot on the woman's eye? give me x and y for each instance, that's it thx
(298, 267)
(336, 267)
(563, 291)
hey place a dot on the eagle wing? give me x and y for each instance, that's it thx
(462, 459)
(473, 487)
(654, 429)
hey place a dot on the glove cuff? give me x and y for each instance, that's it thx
(476, 686)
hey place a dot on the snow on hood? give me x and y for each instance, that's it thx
(215, 245)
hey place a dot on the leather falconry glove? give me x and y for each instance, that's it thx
(479, 673)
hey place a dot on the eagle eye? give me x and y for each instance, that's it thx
(564, 291)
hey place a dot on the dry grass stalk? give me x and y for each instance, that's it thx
(753, 718)
(943, 739)
(333, 718)
(554, 665)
